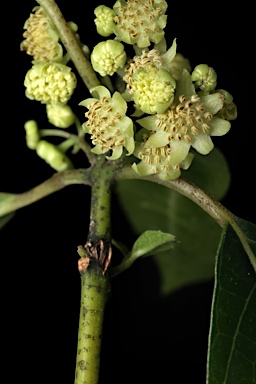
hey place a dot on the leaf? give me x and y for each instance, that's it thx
(5, 219)
(210, 172)
(232, 339)
(152, 242)
(148, 243)
(149, 206)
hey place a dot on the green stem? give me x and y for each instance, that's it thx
(95, 284)
(94, 295)
(100, 222)
(57, 182)
(68, 39)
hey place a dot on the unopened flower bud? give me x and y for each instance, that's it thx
(104, 20)
(60, 115)
(50, 83)
(53, 156)
(107, 57)
(204, 77)
(32, 134)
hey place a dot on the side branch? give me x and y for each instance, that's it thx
(57, 182)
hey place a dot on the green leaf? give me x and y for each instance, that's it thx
(232, 340)
(5, 219)
(149, 206)
(152, 242)
(210, 172)
(148, 243)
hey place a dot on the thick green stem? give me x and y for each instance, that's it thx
(95, 279)
(68, 39)
(94, 295)
(101, 180)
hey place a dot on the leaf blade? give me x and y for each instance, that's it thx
(232, 338)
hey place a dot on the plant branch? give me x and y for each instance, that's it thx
(68, 39)
(211, 206)
(57, 182)
(95, 285)
(217, 211)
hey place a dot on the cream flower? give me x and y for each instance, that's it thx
(190, 121)
(140, 22)
(110, 129)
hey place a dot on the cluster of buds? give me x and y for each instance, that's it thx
(49, 81)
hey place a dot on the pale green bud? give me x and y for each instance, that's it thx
(32, 134)
(204, 77)
(53, 156)
(50, 83)
(229, 110)
(104, 20)
(60, 115)
(140, 21)
(150, 86)
(41, 37)
(110, 129)
(107, 57)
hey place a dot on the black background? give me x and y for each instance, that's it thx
(147, 339)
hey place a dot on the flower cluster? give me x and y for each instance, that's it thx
(133, 21)
(49, 81)
(189, 122)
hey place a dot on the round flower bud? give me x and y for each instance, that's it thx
(150, 86)
(53, 156)
(32, 134)
(50, 83)
(41, 37)
(204, 77)
(104, 20)
(107, 57)
(140, 22)
(110, 129)
(60, 115)
(229, 109)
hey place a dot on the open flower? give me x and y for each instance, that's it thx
(159, 160)
(41, 37)
(110, 129)
(190, 121)
(50, 83)
(140, 22)
(107, 57)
